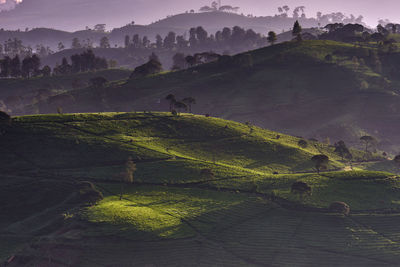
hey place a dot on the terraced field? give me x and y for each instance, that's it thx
(240, 211)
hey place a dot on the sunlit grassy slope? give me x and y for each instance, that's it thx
(290, 87)
(244, 214)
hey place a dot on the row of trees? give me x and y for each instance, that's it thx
(86, 61)
(28, 67)
(235, 38)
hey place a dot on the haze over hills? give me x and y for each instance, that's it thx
(289, 88)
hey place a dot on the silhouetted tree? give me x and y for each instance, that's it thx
(5, 66)
(127, 41)
(296, 32)
(172, 100)
(159, 41)
(342, 150)
(340, 207)
(104, 42)
(76, 43)
(189, 101)
(369, 141)
(15, 67)
(179, 61)
(180, 105)
(46, 71)
(320, 161)
(271, 37)
(169, 41)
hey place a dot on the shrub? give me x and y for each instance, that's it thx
(88, 194)
(302, 143)
(98, 82)
(301, 188)
(340, 207)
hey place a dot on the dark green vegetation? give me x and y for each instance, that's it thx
(203, 193)
(315, 89)
(15, 94)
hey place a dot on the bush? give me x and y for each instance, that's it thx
(152, 67)
(340, 207)
(301, 188)
(88, 194)
(302, 143)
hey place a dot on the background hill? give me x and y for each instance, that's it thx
(202, 185)
(289, 87)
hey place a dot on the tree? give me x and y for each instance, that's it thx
(180, 105)
(271, 37)
(76, 44)
(98, 82)
(46, 71)
(127, 41)
(301, 188)
(172, 100)
(136, 42)
(100, 27)
(297, 30)
(170, 40)
(369, 141)
(104, 42)
(153, 66)
(127, 177)
(5, 66)
(189, 101)
(179, 61)
(159, 41)
(15, 67)
(342, 150)
(340, 207)
(320, 161)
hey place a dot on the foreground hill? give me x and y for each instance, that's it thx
(314, 89)
(204, 192)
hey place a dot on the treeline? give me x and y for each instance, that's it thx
(30, 66)
(228, 40)
(86, 61)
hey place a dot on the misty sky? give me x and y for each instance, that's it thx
(372, 10)
(119, 12)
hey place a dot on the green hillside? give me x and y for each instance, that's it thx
(315, 89)
(15, 94)
(206, 191)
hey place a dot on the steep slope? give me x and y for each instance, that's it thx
(235, 213)
(289, 87)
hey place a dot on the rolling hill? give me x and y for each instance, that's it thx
(242, 210)
(289, 87)
(55, 167)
